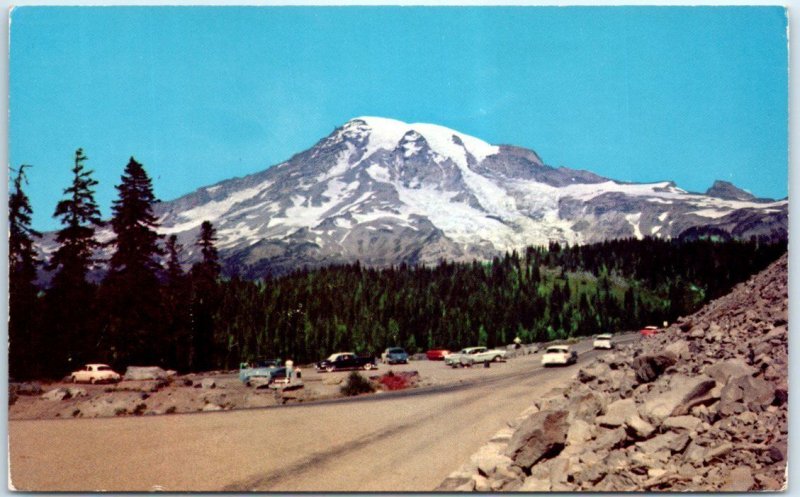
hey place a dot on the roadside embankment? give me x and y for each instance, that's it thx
(699, 407)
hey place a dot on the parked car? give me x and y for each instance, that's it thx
(474, 355)
(345, 360)
(559, 355)
(649, 331)
(259, 371)
(436, 354)
(95, 373)
(603, 341)
(394, 355)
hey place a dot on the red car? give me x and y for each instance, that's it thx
(437, 354)
(648, 331)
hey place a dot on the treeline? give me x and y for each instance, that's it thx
(540, 295)
(149, 311)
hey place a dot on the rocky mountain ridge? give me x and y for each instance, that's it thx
(700, 407)
(383, 192)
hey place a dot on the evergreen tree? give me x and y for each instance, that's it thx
(132, 287)
(71, 331)
(205, 297)
(22, 267)
(80, 216)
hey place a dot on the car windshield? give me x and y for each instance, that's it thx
(604, 337)
(556, 350)
(104, 368)
(397, 351)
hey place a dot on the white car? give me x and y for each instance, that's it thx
(95, 373)
(559, 355)
(603, 341)
(474, 355)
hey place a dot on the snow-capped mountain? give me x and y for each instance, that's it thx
(383, 192)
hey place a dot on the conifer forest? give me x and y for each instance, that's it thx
(151, 308)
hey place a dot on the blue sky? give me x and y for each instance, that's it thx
(203, 94)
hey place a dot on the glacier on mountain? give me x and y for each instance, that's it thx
(382, 191)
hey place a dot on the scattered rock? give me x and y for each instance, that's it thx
(739, 480)
(579, 432)
(145, 373)
(457, 484)
(649, 367)
(63, 393)
(638, 427)
(701, 406)
(208, 383)
(745, 393)
(689, 423)
(541, 436)
(683, 389)
(731, 368)
(616, 413)
(673, 441)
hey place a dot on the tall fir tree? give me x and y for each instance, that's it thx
(135, 328)
(72, 328)
(23, 295)
(205, 297)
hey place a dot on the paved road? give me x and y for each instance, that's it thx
(408, 441)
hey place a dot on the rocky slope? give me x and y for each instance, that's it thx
(700, 407)
(384, 192)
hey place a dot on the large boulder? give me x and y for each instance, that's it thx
(56, 394)
(490, 458)
(579, 432)
(739, 480)
(64, 393)
(608, 439)
(682, 391)
(745, 393)
(675, 442)
(731, 368)
(542, 435)
(617, 412)
(680, 349)
(649, 367)
(145, 373)
(585, 406)
(593, 371)
(638, 427)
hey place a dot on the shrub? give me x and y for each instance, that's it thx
(356, 385)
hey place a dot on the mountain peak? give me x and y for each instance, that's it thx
(385, 133)
(728, 191)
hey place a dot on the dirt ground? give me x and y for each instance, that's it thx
(190, 393)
